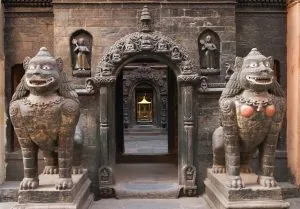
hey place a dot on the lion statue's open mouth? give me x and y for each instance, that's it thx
(260, 80)
(40, 82)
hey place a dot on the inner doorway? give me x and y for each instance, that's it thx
(146, 119)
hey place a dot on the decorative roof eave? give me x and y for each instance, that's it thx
(27, 3)
(262, 3)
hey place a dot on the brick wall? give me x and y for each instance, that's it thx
(265, 30)
(109, 22)
(26, 30)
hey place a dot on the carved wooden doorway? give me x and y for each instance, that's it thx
(138, 46)
(146, 133)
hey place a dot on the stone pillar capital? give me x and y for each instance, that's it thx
(103, 81)
(188, 79)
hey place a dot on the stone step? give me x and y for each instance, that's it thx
(289, 190)
(9, 191)
(143, 129)
(147, 190)
(136, 131)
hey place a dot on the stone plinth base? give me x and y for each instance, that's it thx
(46, 195)
(252, 196)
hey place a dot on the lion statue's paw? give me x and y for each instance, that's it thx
(77, 169)
(267, 181)
(218, 169)
(29, 183)
(49, 170)
(64, 183)
(235, 182)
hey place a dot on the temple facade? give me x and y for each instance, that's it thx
(154, 70)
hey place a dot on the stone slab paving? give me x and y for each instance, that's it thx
(143, 144)
(181, 203)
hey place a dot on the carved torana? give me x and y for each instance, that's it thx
(137, 43)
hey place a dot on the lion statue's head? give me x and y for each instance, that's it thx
(44, 74)
(253, 72)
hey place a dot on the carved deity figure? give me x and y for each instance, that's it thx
(209, 49)
(82, 52)
(129, 48)
(146, 43)
(252, 107)
(44, 111)
(162, 46)
(175, 54)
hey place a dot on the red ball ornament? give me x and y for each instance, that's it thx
(270, 110)
(247, 111)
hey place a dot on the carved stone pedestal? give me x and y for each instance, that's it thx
(252, 196)
(47, 197)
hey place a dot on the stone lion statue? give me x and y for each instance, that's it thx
(252, 107)
(44, 112)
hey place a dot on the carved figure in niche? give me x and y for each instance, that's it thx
(116, 57)
(209, 49)
(186, 67)
(175, 55)
(252, 107)
(129, 48)
(146, 43)
(162, 46)
(82, 52)
(44, 111)
(106, 69)
(203, 83)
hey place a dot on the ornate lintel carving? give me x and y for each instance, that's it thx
(140, 42)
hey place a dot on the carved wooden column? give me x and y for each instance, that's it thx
(187, 129)
(293, 86)
(107, 135)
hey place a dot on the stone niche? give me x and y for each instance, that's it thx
(209, 52)
(81, 43)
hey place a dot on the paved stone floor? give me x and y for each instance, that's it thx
(146, 144)
(181, 203)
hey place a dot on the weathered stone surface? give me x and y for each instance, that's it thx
(44, 111)
(46, 196)
(9, 191)
(252, 107)
(47, 193)
(254, 196)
